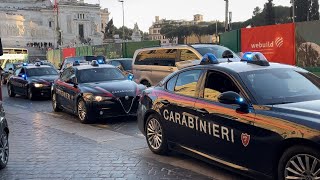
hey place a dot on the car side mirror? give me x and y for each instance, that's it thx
(74, 81)
(231, 97)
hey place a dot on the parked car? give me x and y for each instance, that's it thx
(32, 80)
(81, 59)
(95, 91)
(124, 64)
(151, 65)
(258, 118)
(4, 139)
(8, 71)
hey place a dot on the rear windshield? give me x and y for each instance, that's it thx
(126, 64)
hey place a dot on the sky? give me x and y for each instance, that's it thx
(143, 12)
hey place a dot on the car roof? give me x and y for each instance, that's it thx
(89, 66)
(31, 66)
(243, 66)
(120, 59)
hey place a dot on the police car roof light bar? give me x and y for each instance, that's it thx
(209, 58)
(94, 63)
(256, 58)
(76, 63)
(25, 64)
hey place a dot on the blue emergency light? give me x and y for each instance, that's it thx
(130, 77)
(100, 61)
(25, 64)
(209, 58)
(255, 58)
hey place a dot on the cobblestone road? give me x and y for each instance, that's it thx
(46, 145)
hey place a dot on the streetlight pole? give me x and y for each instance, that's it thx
(226, 16)
(123, 36)
(293, 10)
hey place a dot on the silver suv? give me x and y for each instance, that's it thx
(151, 65)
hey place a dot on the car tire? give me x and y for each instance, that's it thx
(30, 94)
(55, 105)
(146, 83)
(82, 112)
(294, 162)
(155, 135)
(11, 91)
(4, 150)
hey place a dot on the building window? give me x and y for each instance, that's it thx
(80, 16)
(50, 24)
(154, 31)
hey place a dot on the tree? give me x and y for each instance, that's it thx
(302, 10)
(109, 30)
(256, 11)
(314, 12)
(127, 33)
(270, 13)
(169, 31)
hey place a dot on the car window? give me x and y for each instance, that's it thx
(17, 72)
(187, 82)
(66, 74)
(159, 57)
(172, 83)
(115, 63)
(217, 83)
(186, 55)
(22, 71)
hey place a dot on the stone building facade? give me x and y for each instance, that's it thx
(25, 22)
(154, 30)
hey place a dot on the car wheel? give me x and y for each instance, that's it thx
(55, 105)
(4, 150)
(30, 94)
(299, 162)
(146, 83)
(155, 135)
(11, 91)
(83, 112)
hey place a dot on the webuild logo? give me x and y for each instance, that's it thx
(278, 42)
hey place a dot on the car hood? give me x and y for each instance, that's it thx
(43, 79)
(305, 113)
(120, 88)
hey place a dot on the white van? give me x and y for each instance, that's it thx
(151, 65)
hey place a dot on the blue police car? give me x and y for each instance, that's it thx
(95, 91)
(261, 119)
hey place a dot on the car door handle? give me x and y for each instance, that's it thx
(165, 102)
(202, 111)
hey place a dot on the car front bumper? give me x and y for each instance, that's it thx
(113, 108)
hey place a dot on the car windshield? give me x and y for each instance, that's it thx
(126, 64)
(216, 50)
(282, 86)
(99, 74)
(45, 71)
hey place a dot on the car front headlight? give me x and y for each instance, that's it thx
(37, 85)
(91, 97)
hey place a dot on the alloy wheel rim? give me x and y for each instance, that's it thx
(154, 133)
(54, 102)
(304, 167)
(4, 148)
(82, 112)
